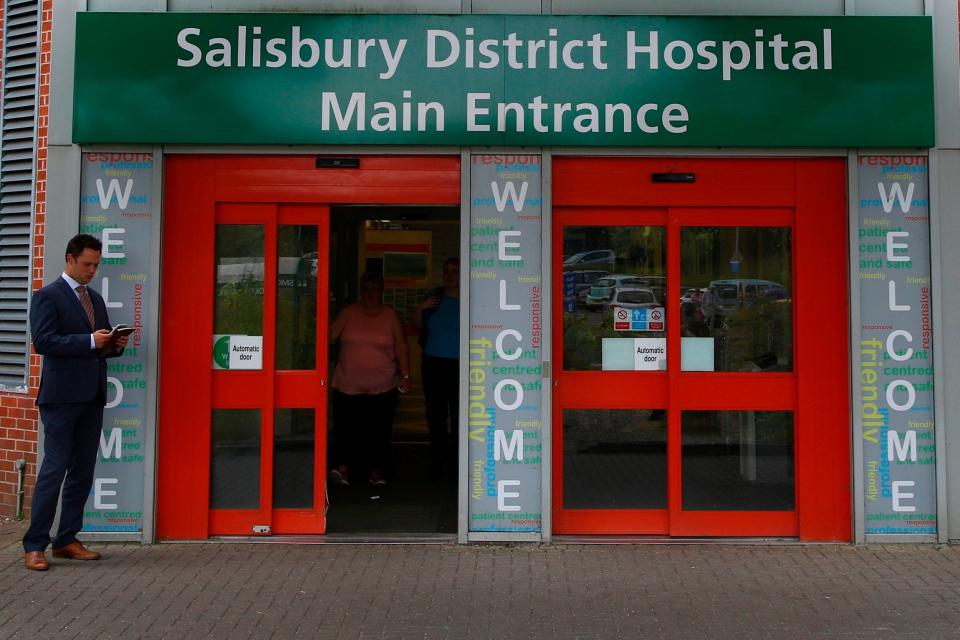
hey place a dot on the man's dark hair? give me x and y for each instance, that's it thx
(80, 242)
(451, 260)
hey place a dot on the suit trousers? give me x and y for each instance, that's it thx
(71, 438)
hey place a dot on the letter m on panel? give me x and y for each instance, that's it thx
(905, 449)
(112, 444)
(510, 450)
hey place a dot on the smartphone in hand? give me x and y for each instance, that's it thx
(120, 330)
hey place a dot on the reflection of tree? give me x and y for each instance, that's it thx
(758, 337)
(582, 335)
(296, 322)
(239, 307)
(236, 240)
(705, 254)
(297, 297)
(239, 285)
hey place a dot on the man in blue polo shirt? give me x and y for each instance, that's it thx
(438, 318)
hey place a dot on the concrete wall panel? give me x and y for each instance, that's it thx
(949, 332)
(699, 7)
(308, 6)
(126, 5)
(888, 7)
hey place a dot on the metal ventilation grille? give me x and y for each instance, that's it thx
(17, 152)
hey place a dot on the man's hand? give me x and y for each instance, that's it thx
(101, 337)
(122, 342)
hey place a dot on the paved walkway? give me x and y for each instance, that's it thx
(227, 590)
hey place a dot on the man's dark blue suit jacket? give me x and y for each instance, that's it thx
(72, 371)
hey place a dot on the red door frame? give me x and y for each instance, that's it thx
(269, 389)
(262, 188)
(808, 194)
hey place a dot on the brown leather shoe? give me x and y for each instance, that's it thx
(35, 561)
(75, 551)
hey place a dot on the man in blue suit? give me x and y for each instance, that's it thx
(71, 330)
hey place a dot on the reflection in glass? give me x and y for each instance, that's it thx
(293, 445)
(614, 459)
(737, 460)
(736, 290)
(296, 297)
(235, 459)
(238, 304)
(606, 269)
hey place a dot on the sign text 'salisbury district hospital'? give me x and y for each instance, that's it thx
(446, 49)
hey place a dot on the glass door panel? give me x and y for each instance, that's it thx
(297, 266)
(611, 451)
(242, 419)
(736, 304)
(738, 461)
(294, 455)
(235, 459)
(269, 415)
(614, 281)
(614, 459)
(238, 307)
(704, 445)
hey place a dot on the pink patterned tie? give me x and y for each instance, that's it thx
(86, 303)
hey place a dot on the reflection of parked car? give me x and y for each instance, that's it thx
(657, 284)
(602, 289)
(578, 283)
(632, 298)
(599, 258)
(734, 294)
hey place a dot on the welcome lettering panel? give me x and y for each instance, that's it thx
(894, 353)
(505, 367)
(116, 205)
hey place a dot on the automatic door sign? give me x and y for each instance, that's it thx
(646, 319)
(237, 352)
(650, 354)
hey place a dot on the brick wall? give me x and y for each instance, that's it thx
(19, 418)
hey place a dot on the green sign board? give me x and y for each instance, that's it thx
(287, 78)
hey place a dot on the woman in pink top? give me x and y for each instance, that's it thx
(373, 366)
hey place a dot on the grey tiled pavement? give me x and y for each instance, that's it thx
(233, 591)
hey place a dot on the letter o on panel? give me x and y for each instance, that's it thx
(118, 398)
(911, 395)
(498, 394)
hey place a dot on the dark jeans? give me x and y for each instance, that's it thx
(441, 389)
(71, 437)
(363, 426)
